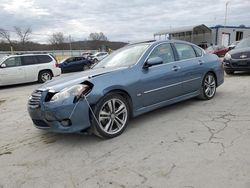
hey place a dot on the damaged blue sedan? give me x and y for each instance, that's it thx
(133, 80)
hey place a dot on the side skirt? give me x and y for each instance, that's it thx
(165, 103)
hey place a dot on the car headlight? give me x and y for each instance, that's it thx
(76, 91)
(227, 56)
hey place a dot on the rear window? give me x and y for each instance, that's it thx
(185, 51)
(29, 60)
(43, 58)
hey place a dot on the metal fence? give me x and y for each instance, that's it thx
(58, 54)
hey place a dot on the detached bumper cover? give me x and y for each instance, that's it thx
(50, 115)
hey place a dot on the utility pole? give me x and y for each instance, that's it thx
(70, 46)
(225, 23)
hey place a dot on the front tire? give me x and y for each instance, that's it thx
(112, 116)
(208, 88)
(44, 76)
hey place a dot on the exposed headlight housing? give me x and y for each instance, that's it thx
(227, 56)
(76, 91)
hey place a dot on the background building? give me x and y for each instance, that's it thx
(204, 36)
(198, 34)
(226, 35)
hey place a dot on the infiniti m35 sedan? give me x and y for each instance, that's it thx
(131, 81)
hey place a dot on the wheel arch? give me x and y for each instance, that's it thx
(215, 76)
(124, 94)
(49, 70)
(116, 90)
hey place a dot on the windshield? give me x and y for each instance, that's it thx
(123, 57)
(3, 58)
(245, 43)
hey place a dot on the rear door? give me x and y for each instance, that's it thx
(31, 67)
(13, 73)
(71, 64)
(161, 82)
(79, 63)
(192, 67)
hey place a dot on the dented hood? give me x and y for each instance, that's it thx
(77, 78)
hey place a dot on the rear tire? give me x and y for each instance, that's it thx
(112, 113)
(208, 88)
(44, 76)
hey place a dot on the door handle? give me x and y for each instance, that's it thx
(201, 62)
(175, 68)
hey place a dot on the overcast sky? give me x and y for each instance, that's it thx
(119, 20)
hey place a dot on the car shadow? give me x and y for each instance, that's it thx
(20, 85)
(158, 113)
(245, 73)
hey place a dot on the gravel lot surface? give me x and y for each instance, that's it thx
(193, 144)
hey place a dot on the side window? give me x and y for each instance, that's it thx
(198, 51)
(79, 59)
(185, 51)
(163, 51)
(72, 59)
(12, 62)
(43, 59)
(29, 60)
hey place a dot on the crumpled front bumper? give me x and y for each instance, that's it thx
(51, 116)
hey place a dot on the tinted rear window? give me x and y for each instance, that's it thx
(29, 60)
(43, 58)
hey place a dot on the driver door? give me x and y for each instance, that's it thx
(161, 82)
(13, 73)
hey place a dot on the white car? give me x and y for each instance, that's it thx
(98, 56)
(16, 69)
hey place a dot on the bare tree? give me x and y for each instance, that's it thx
(23, 34)
(98, 36)
(5, 35)
(57, 38)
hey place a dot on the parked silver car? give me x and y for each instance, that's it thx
(98, 56)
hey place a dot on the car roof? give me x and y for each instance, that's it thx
(155, 42)
(20, 55)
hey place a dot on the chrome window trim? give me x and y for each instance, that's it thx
(141, 55)
(171, 85)
(169, 42)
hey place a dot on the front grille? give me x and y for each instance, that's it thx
(35, 99)
(241, 56)
(40, 123)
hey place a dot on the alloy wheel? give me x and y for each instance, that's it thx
(210, 85)
(113, 116)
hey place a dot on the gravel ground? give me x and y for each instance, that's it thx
(193, 144)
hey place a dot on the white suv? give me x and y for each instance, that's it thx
(16, 69)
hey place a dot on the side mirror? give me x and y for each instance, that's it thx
(153, 61)
(3, 65)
